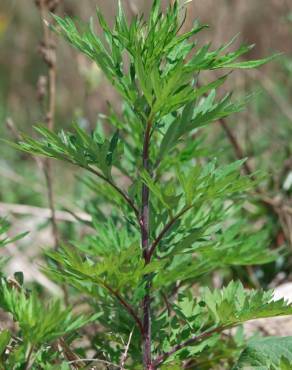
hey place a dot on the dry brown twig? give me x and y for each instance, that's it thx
(47, 50)
(132, 7)
(282, 210)
(15, 133)
(24, 209)
(70, 356)
(236, 146)
(96, 360)
(125, 354)
(271, 89)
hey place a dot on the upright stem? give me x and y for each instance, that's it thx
(145, 197)
(144, 223)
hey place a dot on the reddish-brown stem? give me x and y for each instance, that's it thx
(144, 224)
(191, 341)
(167, 304)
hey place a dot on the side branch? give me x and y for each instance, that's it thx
(193, 340)
(126, 305)
(166, 228)
(114, 186)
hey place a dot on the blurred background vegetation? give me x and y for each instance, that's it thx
(263, 132)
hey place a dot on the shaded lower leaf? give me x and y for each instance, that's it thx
(266, 353)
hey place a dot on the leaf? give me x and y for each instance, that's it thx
(251, 63)
(266, 353)
(234, 305)
(5, 337)
(173, 132)
(144, 80)
(198, 115)
(4, 227)
(40, 323)
(77, 147)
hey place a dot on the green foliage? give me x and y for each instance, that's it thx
(181, 216)
(214, 312)
(158, 58)
(267, 353)
(233, 305)
(39, 323)
(77, 148)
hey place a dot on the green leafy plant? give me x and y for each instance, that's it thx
(38, 324)
(145, 266)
